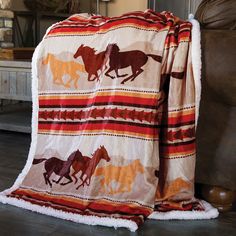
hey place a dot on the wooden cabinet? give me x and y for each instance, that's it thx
(15, 84)
(181, 8)
(15, 80)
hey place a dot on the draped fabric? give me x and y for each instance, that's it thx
(114, 122)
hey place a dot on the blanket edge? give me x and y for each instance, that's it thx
(209, 213)
(196, 62)
(77, 218)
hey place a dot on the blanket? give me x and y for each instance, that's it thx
(115, 105)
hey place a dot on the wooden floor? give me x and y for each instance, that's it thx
(16, 117)
(19, 222)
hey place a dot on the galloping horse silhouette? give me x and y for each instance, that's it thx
(123, 176)
(119, 60)
(92, 62)
(88, 167)
(61, 68)
(59, 167)
(80, 165)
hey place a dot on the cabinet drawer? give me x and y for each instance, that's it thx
(15, 80)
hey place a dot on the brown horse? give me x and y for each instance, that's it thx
(59, 167)
(135, 59)
(90, 165)
(92, 62)
(80, 165)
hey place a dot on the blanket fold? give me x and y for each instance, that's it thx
(115, 101)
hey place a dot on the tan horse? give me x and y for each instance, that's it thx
(123, 176)
(61, 68)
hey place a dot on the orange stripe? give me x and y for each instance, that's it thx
(180, 119)
(99, 132)
(182, 112)
(141, 94)
(82, 205)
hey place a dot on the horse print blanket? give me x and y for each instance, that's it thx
(115, 104)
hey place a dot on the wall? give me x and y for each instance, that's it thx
(181, 8)
(18, 5)
(117, 7)
(195, 4)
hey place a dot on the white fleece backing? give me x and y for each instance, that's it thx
(196, 61)
(209, 213)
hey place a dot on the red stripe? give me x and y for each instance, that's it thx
(100, 21)
(149, 20)
(149, 17)
(166, 207)
(119, 208)
(98, 99)
(137, 219)
(94, 206)
(180, 119)
(99, 126)
(150, 14)
(170, 150)
(185, 34)
(110, 24)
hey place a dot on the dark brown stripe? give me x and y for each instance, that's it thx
(178, 75)
(100, 104)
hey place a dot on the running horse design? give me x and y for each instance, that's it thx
(123, 176)
(59, 167)
(92, 62)
(61, 68)
(134, 58)
(88, 165)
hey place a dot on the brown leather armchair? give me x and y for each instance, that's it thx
(216, 133)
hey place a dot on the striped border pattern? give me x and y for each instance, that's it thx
(100, 207)
(177, 134)
(131, 114)
(78, 25)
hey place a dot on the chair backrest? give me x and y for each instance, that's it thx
(217, 14)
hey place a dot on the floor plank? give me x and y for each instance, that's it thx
(16, 117)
